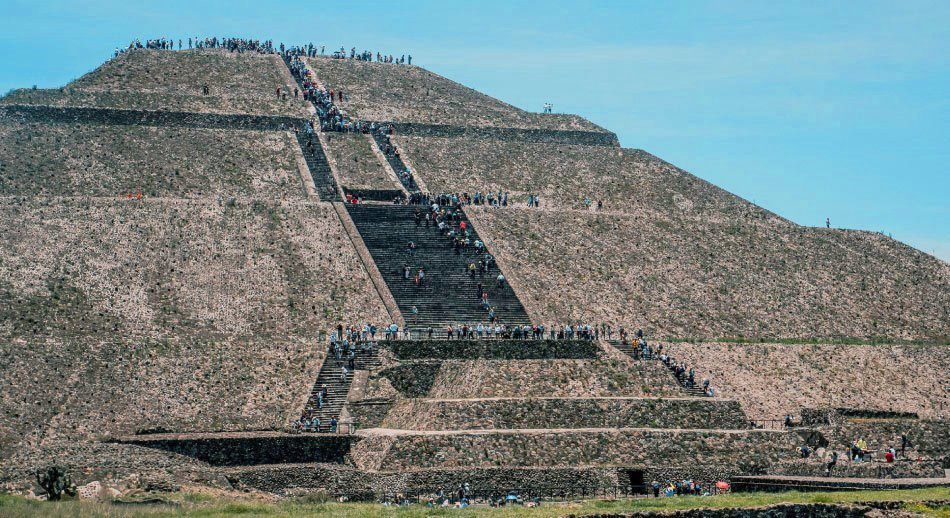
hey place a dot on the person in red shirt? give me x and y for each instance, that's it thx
(889, 457)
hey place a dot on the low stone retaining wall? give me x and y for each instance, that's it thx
(491, 349)
(744, 451)
(930, 438)
(899, 469)
(826, 416)
(248, 449)
(545, 483)
(540, 413)
(792, 483)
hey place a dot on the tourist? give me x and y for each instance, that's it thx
(862, 448)
(831, 463)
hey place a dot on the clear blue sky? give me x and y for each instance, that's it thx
(812, 110)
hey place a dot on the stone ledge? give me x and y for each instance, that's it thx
(491, 349)
(121, 117)
(248, 448)
(537, 413)
(396, 450)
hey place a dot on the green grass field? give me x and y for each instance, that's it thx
(203, 505)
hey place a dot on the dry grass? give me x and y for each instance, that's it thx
(192, 504)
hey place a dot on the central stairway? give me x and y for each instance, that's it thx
(337, 385)
(449, 294)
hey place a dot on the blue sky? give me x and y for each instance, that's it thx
(812, 110)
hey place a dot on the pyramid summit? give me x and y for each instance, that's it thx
(264, 267)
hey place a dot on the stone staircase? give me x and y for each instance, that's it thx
(383, 142)
(338, 386)
(683, 381)
(314, 154)
(449, 294)
(319, 166)
(695, 391)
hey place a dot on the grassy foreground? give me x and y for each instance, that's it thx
(204, 505)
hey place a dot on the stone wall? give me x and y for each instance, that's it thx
(773, 380)
(121, 117)
(563, 174)
(403, 93)
(746, 450)
(87, 461)
(187, 315)
(357, 167)
(701, 279)
(412, 379)
(492, 349)
(41, 159)
(544, 413)
(546, 483)
(537, 136)
(146, 79)
(930, 438)
(847, 469)
(251, 449)
(551, 378)
(368, 413)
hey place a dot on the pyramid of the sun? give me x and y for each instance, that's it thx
(169, 266)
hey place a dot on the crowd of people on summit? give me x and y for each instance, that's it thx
(262, 47)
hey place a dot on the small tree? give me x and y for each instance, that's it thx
(55, 481)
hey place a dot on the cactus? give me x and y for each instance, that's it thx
(55, 481)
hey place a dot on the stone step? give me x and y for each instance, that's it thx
(449, 293)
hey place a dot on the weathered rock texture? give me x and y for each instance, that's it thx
(551, 378)
(185, 315)
(381, 92)
(845, 469)
(356, 164)
(200, 307)
(563, 448)
(38, 159)
(695, 277)
(540, 413)
(248, 449)
(493, 349)
(773, 380)
(146, 79)
(625, 180)
(930, 438)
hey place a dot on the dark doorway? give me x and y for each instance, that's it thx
(634, 477)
